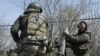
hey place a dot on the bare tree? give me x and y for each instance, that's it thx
(3, 36)
(59, 11)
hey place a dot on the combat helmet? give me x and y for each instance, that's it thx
(35, 5)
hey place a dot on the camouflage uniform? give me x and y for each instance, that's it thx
(32, 40)
(80, 43)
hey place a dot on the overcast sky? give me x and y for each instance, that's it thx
(10, 11)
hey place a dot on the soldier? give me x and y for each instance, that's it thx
(80, 43)
(33, 26)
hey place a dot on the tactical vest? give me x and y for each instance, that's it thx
(33, 28)
(36, 25)
(83, 48)
(32, 24)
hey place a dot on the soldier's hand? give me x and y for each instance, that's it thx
(66, 31)
(50, 47)
(18, 48)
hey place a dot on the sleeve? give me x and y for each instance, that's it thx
(75, 39)
(14, 30)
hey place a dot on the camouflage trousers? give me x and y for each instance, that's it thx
(30, 54)
(87, 54)
(36, 49)
(76, 53)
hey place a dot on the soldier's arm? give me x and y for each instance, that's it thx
(78, 39)
(14, 30)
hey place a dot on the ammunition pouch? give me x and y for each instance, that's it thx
(34, 44)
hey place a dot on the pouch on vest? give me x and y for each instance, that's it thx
(34, 23)
(29, 44)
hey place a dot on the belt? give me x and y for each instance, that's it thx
(37, 44)
(37, 37)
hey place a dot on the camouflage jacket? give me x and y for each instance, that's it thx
(82, 41)
(21, 23)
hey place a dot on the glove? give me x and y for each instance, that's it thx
(50, 47)
(66, 31)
